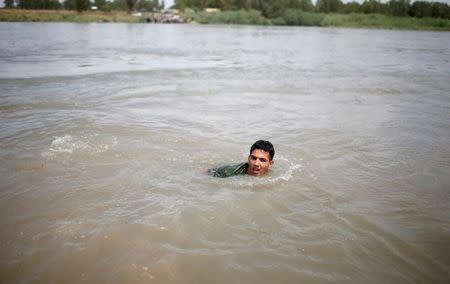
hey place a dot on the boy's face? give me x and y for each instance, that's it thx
(258, 162)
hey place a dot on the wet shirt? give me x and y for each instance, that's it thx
(229, 170)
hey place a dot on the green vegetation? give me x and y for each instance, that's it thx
(18, 15)
(84, 5)
(385, 22)
(241, 17)
(394, 14)
(275, 8)
(297, 17)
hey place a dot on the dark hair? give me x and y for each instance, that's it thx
(265, 146)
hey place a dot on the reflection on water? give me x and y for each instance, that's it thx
(106, 131)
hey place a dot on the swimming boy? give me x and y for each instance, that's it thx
(259, 162)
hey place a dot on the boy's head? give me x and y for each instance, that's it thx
(260, 159)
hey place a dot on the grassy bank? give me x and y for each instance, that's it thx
(384, 22)
(241, 17)
(292, 17)
(20, 15)
(289, 17)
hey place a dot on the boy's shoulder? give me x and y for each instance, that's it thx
(229, 170)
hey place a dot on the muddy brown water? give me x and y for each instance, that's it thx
(106, 130)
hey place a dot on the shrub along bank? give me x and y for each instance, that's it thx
(22, 15)
(297, 17)
(289, 17)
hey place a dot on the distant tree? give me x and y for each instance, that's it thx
(9, 3)
(440, 10)
(82, 5)
(351, 7)
(399, 8)
(130, 4)
(420, 9)
(147, 5)
(254, 4)
(38, 4)
(271, 8)
(374, 6)
(100, 4)
(79, 5)
(119, 5)
(70, 4)
(178, 4)
(25, 4)
(50, 4)
(107, 7)
(306, 5)
(328, 6)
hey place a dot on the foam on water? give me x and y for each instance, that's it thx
(66, 144)
(69, 144)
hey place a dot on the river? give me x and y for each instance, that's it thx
(106, 131)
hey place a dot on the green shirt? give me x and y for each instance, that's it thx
(228, 171)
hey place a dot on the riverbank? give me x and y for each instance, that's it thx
(288, 18)
(21, 15)
(293, 17)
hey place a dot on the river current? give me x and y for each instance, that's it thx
(106, 131)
